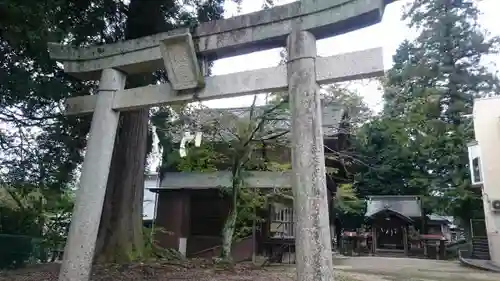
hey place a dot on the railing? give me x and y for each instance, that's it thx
(284, 230)
(282, 222)
(480, 247)
(478, 228)
(241, 250)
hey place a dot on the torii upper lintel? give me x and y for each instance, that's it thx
(224, 38)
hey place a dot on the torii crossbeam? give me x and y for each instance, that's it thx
(183, 54)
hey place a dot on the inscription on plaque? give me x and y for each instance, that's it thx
(180, 61)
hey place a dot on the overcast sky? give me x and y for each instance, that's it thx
(387, 34)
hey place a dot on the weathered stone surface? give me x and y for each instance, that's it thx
(312, 240)
(363, 64)
(179, 57)
(218, 39)
(79, 251)
(360, 64)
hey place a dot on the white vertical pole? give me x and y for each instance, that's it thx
(313, 243)
(79, 251)
(254, 232)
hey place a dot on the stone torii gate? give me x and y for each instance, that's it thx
(184, 53)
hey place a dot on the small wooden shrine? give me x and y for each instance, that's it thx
(390, 220)
(397, 226)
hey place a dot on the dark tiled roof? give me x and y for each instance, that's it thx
(408, 206)
(205, 119)
(209, 180)
(440, 218)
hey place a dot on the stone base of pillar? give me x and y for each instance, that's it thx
(183, 246)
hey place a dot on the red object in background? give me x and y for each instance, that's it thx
(432, 237)
(349, 233)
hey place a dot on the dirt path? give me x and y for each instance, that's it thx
(413, 269)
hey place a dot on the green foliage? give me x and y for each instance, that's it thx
(387, 166)
(39, 146)
(163, 120)
(57, 216)
(251, 202)
(199, 159)
(33, 227)
(231, 142)
(18, 233)
(346, 200)
(357, 110)
(152, 250)
(277, 167)
(20, 223)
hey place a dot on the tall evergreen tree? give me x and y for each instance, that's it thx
(428, 97)
(120, 234)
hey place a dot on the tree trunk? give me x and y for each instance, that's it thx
(120, 233)
(230, 224)
(120, 236)
(227, 235)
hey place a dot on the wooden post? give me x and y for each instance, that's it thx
(254, 232)
(442, 249)
(79, 251)
(405, 240)
(424, 242)
(312, 239)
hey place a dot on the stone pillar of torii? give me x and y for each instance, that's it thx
(183, 54)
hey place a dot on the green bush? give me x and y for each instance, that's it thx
(33, 225)
(15, 251)
(17, 229)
